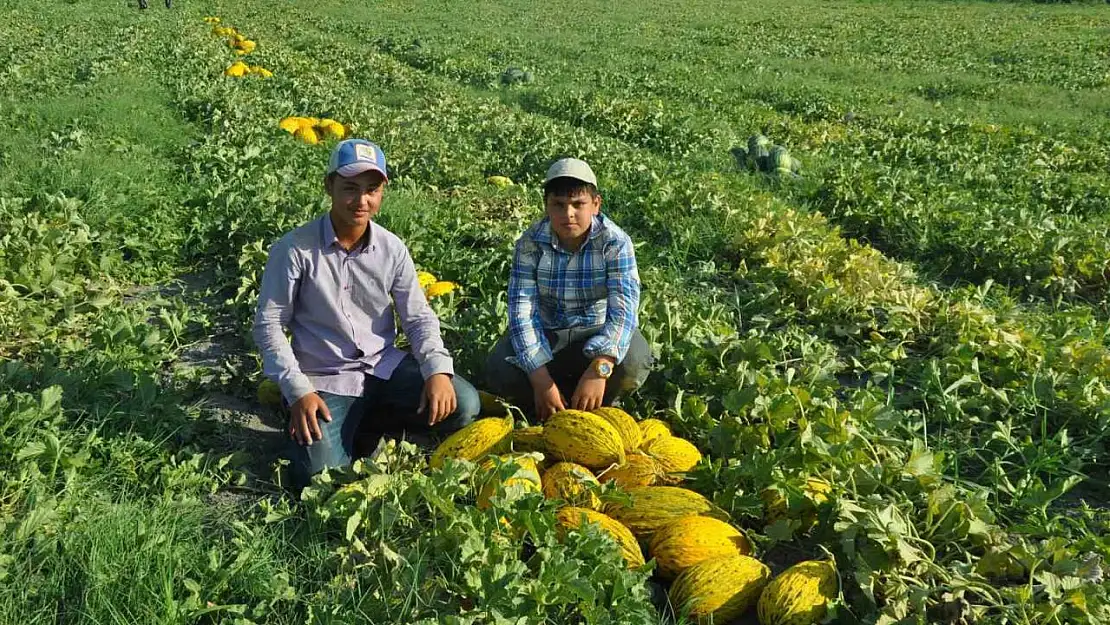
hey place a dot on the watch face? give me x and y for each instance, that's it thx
(604, 369)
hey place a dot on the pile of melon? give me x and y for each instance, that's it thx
(764, 156)
(707, 561)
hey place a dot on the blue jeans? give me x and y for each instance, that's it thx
(391, 405)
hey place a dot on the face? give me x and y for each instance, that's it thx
(355, 200)
(571, 215)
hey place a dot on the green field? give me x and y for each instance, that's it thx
(921, 317)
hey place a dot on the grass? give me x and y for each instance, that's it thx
(777, 334)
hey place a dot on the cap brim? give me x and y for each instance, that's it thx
(572, 177)
(354, 169)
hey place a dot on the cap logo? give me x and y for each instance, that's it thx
(364, 152)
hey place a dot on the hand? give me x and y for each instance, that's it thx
(545, 394)
(590, 391)
(303, 426)
(439, 398)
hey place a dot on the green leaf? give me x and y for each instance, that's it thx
(353, 523)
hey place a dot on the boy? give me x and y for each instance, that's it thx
(573, 297)
(334, 284)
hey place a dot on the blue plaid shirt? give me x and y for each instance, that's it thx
(552, 288)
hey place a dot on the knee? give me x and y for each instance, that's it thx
(468, 404)
(637, 365)
(497, 372)
(500, 373)
(308, 460)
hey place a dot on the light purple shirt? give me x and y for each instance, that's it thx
(339, 307)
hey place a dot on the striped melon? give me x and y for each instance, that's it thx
(573, 518)
(583, 438)
(625, 424)
(688, 540)
(651, 429)
(816, 491)
(673, 454)
(799, 595)
(780, 158)
(474, 441)
(720, 589)
(529, 439)
(639, 469)
(652, 507)
(525, 478)
(571, 483)
(758, 141)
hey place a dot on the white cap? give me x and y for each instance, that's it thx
(570, 168)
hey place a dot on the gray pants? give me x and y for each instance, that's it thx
(511, 382)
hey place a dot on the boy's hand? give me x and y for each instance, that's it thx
(589, 392)
(545, 394)
(439, 398)
(303, 426)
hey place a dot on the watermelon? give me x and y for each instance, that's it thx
(512, 76)
(780, 158)
(740, 155)
(758, 142)
(760, 160)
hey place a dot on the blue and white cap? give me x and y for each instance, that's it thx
(355, 156)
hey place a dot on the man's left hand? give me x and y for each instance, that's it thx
(590, 391)
(438, 398)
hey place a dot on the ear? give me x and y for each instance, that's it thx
(597, 204)
(327, 185)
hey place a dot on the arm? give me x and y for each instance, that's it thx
(419, 321)
(280, 281)
(525, 324)
(622, 316)
(526, 328)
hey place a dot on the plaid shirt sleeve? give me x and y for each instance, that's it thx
(622, 316)
(525, 324)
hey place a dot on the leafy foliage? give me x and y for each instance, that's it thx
(962, 422)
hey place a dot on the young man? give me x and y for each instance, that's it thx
(334, 284)
(573, 295)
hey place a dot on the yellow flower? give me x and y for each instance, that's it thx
(307, 134)
(425, 279)
(291, 124)
(212, 20)
(440, 288)
(332, 128)
(238, 69)
(261, 71)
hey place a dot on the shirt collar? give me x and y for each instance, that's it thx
(328, 238)
(544, 234)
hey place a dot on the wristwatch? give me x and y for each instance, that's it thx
(603, 368)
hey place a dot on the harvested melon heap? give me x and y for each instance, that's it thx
(623, 477)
